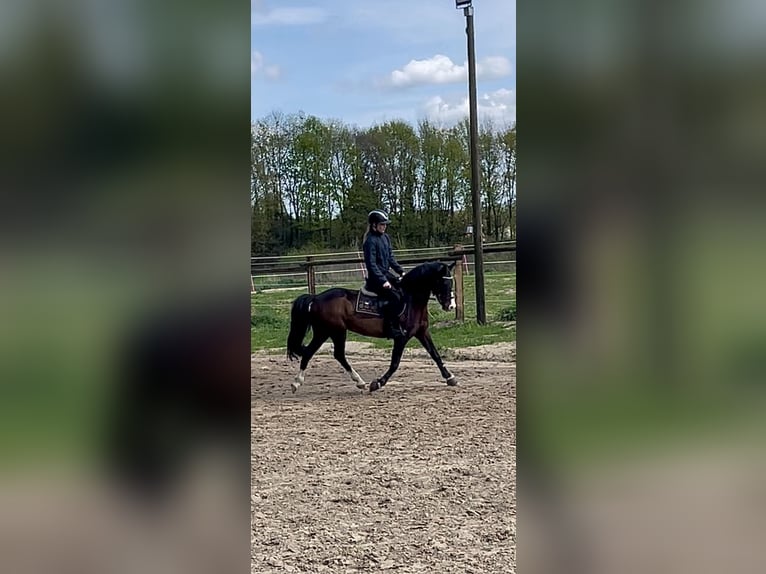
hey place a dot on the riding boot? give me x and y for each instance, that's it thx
(394, 327)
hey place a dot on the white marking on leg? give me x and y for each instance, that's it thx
(360, 384)
(299, 378)
(452, 303)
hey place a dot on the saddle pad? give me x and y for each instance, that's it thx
(367, 305)
(371, 305)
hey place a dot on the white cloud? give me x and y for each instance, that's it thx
(287, 16)
(258, 67)
(498, 106)
(441, 69)
(493, 67)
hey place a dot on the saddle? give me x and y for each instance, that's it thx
(368, 303)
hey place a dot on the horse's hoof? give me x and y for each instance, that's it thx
(375, 385)
(294, 387)
(361, 385)
(452, 381)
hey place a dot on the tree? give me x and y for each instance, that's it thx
(508, 146)
(313, 181)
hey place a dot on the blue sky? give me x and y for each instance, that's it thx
(366, 62)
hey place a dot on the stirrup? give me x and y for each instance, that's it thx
(396, 331)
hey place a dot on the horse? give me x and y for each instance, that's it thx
(332, 313)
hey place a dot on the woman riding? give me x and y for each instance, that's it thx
(378, 258)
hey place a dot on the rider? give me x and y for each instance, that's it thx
(378, 257)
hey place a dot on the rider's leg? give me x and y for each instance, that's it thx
(391, 313)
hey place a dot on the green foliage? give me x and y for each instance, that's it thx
(266, 319)
(314, 181)
(270, 318)
(508, 313)
(470, 334)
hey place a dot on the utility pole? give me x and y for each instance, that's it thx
(478, 253)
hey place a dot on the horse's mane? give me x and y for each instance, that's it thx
(421, 273)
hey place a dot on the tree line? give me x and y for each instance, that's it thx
(313, 182)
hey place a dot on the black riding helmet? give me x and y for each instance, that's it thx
(377, 216)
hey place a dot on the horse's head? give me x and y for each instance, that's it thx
(430, 278)
(443, 288)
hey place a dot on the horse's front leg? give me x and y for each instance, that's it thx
(424, 337)
(396, 357)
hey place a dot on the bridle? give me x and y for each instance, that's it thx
(449, 279)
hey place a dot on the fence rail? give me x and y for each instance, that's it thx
(361, 273)
(303, 262)
(487, 246)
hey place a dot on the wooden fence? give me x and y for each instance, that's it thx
(308, 264)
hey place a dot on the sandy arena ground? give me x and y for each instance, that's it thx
(418, 477)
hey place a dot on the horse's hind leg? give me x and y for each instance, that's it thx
(308, 352)
(339, 341)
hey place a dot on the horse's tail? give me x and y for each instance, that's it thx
(299, 326)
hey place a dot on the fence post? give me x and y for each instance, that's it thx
(311, 275)
(458, 276)
(361, 266)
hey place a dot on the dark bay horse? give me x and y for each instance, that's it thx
(332, 313)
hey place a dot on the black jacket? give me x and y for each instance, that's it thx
(378, 258)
